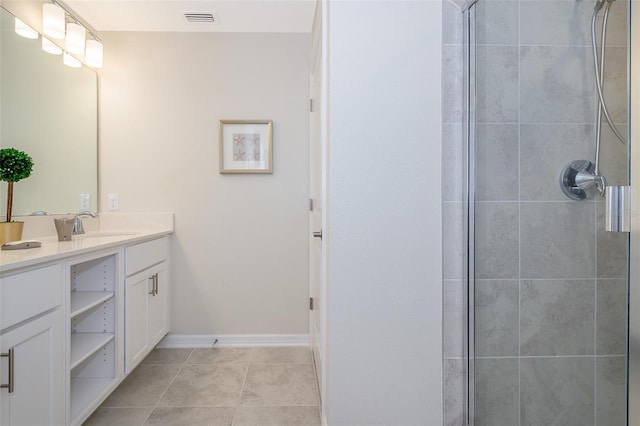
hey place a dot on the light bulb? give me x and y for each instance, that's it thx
(25, 31)
(49, 47)
(53, 20)
(74, 41)
(94, 54)
(70, 61)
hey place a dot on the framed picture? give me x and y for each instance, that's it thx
(246, 146)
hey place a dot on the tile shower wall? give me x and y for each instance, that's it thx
(550, 282)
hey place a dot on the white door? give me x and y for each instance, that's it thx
(316, 202)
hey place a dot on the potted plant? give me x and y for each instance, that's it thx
(15, 165)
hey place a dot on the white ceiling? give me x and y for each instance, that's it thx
(168, 15)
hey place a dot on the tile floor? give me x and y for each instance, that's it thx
(221, 386)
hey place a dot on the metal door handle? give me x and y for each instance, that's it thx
(10, 384)
(318, 234)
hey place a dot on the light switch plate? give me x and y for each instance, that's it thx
(113, 202)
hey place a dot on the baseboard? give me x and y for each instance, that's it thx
(232, 340)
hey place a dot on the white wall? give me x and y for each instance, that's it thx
(240, 245)
(384, 278)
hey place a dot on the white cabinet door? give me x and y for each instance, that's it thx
(38, 373)
(145, 313)
(157, 316)
(137, 290)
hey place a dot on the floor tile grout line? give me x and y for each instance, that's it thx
(184, 363)
(244, 381)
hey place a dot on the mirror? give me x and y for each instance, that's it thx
(49, 111)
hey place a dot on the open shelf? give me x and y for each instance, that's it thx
(83, 345)
(84, 392)
(82, 301)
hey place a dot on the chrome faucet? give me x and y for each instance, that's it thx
(78, 228)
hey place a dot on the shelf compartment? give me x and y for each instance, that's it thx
(82, 301)
(83, 345)
(85, 391)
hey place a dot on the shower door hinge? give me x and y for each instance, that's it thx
(310, 204)
(311, 303)
(617, 215)
(310, 105)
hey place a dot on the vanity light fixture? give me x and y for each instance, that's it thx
(50, 47)
(93, 55)
(75, 39)
(70, 61)
(53, 20)
(26, 31)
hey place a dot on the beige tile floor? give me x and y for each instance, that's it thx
(221, 386)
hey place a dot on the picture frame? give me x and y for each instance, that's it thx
(246, 146)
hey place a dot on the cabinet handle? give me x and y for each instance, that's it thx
(154, 284)
(10, 384)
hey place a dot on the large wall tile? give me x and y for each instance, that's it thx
(544, 150)
(453, 392)
(556, 391)
(497, 22)
(555, 22)
(452, 29)
(612, 248)
(614, 162)
(453, 318)
(612, 313)
(496, 240)
(611, 391)
(617, 27)
(557, 317)
(615, 83)
(496, 153)
(556, 85)
(496, 318)
(452, 162)
(453, 240)
(452, 84)
(496, 84)
(557, 240)
(496, 395)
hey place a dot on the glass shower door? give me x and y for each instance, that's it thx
(548, 286)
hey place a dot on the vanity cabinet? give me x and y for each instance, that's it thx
(146, 299)
(73, 320)
(32, 347)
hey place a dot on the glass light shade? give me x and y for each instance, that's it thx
(49, 47)
(74, 42)
(93, 54)
(53, 20)
(70, 61)
(25, 31)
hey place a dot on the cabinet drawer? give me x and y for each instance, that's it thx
(27, 294)
(143, 255)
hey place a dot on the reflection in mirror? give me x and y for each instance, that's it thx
(49, 111)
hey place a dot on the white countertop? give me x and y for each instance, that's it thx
(110, 232)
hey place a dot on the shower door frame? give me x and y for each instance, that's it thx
(633, 367)
(469, 90)
(633, 312)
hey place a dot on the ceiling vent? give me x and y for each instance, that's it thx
(200, 17)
